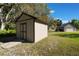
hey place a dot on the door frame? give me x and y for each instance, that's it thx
(22, 31)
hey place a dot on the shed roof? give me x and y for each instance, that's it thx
(32, 17)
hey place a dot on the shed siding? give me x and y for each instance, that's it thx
(29, 29)
(40, 31)
(35, 30)
(23, 17)
(18, 30)
(30, 32)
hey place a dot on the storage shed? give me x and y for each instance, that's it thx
(30, 28)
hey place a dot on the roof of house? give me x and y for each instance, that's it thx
(63, 25)
(34, 18)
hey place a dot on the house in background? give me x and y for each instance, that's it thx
(68, 27)
(30, 28)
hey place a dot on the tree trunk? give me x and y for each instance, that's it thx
(6, 18)
(2, 25)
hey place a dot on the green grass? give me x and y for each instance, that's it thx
(56, 44)
(70, 43)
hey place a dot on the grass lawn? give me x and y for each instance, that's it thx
(57, 43)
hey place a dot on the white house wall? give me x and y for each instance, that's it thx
(41, 31)
(69, 28)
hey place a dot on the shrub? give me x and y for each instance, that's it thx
(7, 33)
(10, 26)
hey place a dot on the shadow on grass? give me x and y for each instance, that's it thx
(11, 37)
(69, 35)
(7, 37)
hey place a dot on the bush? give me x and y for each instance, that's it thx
(7, 33)
(10, 26)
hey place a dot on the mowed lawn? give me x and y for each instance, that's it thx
(56, 44)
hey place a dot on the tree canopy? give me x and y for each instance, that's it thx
(54, 23)
(40, 10)
(10, 11)
(75, 22)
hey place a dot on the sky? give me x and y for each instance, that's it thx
(64, 11)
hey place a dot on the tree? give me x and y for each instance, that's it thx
(9, 12)
(40, 10)
(75, 22)
(54, 23)
(59, 23)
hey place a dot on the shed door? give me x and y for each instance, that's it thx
(23, 31)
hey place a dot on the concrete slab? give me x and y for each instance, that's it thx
(9, 44)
